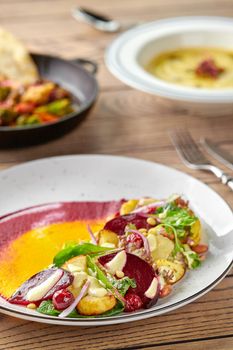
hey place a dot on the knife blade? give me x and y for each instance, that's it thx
(218, 153)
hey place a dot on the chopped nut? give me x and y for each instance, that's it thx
(120, 274)
(151, 221)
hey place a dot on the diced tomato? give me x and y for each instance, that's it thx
(47, 117)
(24, 107)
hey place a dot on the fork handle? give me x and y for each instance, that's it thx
(227, 180)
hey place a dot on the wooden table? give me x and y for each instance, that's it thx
(126, 122)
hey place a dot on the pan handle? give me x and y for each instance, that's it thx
(90, 66)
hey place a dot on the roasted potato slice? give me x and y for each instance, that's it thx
(171, 271)
(107, 236)
(90, 305)
(129, 206)
(76, 264)
(163, 249)
(195, 232)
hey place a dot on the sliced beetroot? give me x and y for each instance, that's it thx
(119, 223)
(19, 297)
(141, 272)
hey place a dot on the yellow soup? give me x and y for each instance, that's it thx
(195, 67)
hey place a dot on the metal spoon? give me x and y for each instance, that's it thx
(96, 20)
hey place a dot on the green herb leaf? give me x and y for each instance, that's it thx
(192, 259)
(98, 273)
(118, 308)
(102, 277)
(79, 249)
(124, 284)
(178, 217)
(46, 307)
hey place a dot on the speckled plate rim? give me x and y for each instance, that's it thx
(124, 317)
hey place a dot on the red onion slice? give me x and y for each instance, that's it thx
(145, 241)
(144, 208)
(72, 306)
(93, 239)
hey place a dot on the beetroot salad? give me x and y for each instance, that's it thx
(129, 264)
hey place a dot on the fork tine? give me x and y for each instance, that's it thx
(177, 141)
(187, 148)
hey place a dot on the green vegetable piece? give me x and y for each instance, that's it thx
(46, 307)
(118, 308)
(178, 217)
(4, 92)
(21, 120)
(192, 258)
(32, 120)
(98, 273)
(74, 250)
(59, 107)
(102, 277)
(124, 284)
(7, 115)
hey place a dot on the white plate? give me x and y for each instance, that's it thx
(132, 51)
(94, 177)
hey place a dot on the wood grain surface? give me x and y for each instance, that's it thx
(125, 122)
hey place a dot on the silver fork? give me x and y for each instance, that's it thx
(194, 158)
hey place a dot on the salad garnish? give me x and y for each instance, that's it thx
(129, 264)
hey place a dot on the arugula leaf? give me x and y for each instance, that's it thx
(192, 259)
(118, 308)
(46, 307)
(123, 284)
(101, 276)
(159, 210)
(178, 217)
(98, 273)
(79, 249)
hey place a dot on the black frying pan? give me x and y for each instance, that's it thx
(72, 76)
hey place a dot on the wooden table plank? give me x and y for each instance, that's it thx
(196, 321)
(224, 343)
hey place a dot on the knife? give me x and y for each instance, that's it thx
(218, 153)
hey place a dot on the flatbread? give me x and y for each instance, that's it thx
(15, 62)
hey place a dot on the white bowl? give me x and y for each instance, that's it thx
(132, 50)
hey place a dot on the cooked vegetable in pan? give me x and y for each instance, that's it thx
(30, 104)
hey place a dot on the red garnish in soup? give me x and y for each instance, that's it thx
(209, 69)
